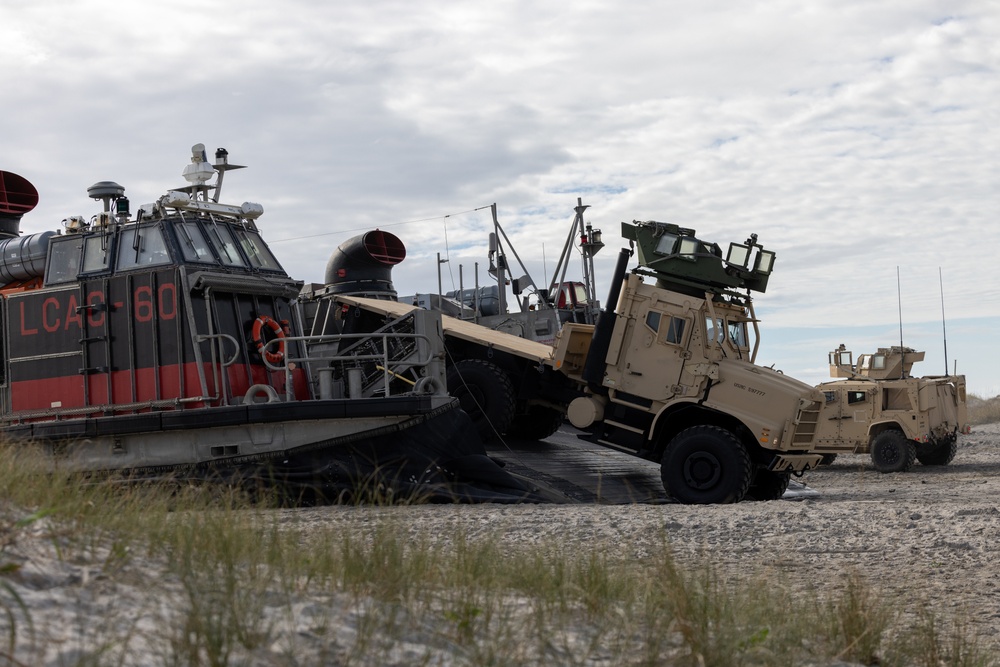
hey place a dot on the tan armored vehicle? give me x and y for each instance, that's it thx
(668, 372)
(879, 408)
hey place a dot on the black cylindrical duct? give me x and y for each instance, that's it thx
(593, 368)
(17, 197)
(23, 257)
(363, 264)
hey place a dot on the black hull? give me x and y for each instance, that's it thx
(431, 454)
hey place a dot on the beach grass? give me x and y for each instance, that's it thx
(219, 579)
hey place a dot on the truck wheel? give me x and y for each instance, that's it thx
(485, 393)
(940, 454)
(538, 423)
(706, 464)
(892, 452)
(768, 485)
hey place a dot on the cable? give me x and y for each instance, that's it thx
(388, 224)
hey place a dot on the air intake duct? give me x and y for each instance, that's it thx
(17, 197)
(362, 265)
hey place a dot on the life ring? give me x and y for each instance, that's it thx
(258, 339)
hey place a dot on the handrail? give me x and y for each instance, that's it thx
(387, 366)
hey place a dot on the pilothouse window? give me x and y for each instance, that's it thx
(259, 255)
(96, 253)
(64, 260)
(194, 245)
(141, 246)
(225, 245)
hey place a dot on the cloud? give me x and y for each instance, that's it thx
(852, 137)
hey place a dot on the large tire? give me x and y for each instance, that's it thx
(892, 452)
(538, 423)
(706, 465)
(486, 394)
(768, 485)
(940, 454)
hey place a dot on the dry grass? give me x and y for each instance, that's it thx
(983, 410)
(224, 582)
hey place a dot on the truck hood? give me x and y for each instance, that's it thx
(765, 400)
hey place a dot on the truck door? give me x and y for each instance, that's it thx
(657, 355)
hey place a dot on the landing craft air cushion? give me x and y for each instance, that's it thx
(172, 343)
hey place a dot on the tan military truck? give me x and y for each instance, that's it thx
(668, 372)
(878, 408)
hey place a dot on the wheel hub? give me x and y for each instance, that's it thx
(889, 453)
(702, 470)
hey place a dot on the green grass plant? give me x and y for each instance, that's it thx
(226, 581)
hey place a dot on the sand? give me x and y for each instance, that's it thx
(930, 537)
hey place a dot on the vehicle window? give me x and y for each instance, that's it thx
(96, 253)
(690, 247)
(194, 246)
(64, 260)
(714, 330)
(653, 320)
(856, 397)
(666, 244)
(675, 331)
(831, 396)
(257, 252)
(738, 334)
(141, 246)
(878, 362)
(224, 244)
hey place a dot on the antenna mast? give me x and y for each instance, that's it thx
(899, 300)
(944, 330)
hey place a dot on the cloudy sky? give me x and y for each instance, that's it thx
(858, 139)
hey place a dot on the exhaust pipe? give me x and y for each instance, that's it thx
(593, 367)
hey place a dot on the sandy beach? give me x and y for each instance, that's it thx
(927, 537)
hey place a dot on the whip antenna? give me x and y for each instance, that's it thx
(944, 330)
(899, 300)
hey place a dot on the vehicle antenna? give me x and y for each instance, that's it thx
(944, 330)
(902, 354)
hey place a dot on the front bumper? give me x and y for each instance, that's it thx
(796, 463)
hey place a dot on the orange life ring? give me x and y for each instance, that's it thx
(279, 333)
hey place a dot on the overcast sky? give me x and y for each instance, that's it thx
(853, 137)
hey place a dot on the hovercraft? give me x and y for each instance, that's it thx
(173, 343)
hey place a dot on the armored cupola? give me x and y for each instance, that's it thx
(684, 263)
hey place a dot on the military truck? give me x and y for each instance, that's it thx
(668, 373)
(878, 408)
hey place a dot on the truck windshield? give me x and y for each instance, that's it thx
(738, 335)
